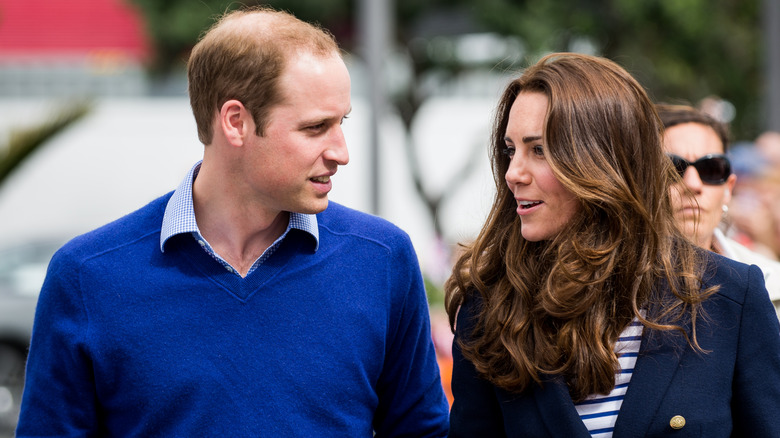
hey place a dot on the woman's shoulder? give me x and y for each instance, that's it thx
(468, 312)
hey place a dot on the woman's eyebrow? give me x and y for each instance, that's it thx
(532, 138)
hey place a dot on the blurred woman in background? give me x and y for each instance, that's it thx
(697, 145)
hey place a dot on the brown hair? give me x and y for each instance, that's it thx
(558, 306)
(672, 115)
(242, 57)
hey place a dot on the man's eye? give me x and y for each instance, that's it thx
(508, 151)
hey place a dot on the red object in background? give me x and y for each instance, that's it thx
(445, 368)
(71, 27)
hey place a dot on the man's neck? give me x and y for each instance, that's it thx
(238, 232)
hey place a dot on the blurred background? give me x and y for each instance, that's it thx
(95, 121)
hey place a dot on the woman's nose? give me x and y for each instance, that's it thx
(692, 179)
(517, 173)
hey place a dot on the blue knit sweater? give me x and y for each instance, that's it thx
(130, 341)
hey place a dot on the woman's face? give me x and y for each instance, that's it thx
(697, 216)
(545, 207)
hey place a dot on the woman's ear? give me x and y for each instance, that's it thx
(730, 182)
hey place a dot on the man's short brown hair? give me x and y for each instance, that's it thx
(242, 57)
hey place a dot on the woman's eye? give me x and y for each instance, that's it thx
(538, 150)
(508, 151)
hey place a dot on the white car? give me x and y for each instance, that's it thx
(22, 270)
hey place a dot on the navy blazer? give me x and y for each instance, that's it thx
(732, 390)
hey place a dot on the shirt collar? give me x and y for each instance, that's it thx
(179, 217)
(721, 245)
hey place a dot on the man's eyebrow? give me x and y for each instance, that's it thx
(323, 119)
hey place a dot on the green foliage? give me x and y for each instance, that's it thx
(434, 292)
(680, 50)
(24, 142)
(175, 25)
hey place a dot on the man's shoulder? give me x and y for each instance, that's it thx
(141, 223)
(344, 220)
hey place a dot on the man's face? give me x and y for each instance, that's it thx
(290, 167)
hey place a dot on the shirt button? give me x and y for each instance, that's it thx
(677, 422)
(202, 243)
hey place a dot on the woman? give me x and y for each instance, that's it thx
(697, 144)
(580, 309)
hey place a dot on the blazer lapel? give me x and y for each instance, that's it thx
(659, 356)
(557, 409)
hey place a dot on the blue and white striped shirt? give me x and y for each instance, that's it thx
(179, 218)
(599, 412)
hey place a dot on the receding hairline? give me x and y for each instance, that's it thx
(256, 20)
(265, 25)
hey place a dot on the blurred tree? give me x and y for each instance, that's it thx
(22, 143)
(678, 49)
(175, 25)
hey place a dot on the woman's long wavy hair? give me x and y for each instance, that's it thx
(557, 307)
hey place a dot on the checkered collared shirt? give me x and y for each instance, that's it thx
(179, 218)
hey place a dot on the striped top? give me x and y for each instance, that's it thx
(599, 412)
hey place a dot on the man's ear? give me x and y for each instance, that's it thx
(234, 121)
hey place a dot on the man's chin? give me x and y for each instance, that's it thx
(314, 208)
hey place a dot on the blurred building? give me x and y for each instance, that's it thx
(60, 48)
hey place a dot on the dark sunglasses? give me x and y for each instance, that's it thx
(713, 169)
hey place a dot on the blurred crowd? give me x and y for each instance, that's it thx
(754, 215)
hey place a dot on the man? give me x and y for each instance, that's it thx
(239, 305)
(697, 144)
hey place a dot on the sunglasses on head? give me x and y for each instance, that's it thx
(713, 169)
